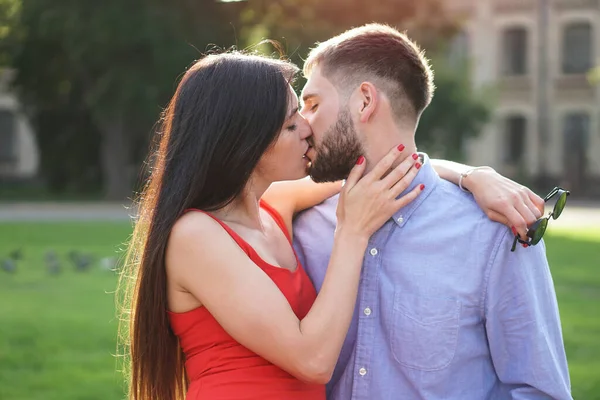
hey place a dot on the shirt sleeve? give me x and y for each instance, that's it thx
(523, 323)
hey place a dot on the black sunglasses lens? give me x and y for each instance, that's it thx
(539, 232)
(560, 205)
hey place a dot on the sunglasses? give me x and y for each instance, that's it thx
(538, 228)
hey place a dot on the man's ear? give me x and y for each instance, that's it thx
(368, 101)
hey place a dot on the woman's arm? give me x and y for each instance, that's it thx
(204, 261)
(291, 197)
(502, 199)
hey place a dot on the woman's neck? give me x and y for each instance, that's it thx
(245, 209)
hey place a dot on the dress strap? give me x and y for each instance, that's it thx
(277, 218)
(248, 249)
(237, 238)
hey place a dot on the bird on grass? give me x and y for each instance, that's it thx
(9, 265)
(52, 263)
(81, 262)
(16, 254)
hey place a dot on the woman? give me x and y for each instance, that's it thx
(211, 277)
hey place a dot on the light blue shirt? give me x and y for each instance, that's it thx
(445, 310)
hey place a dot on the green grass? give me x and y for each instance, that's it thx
(57, 333)
(574, 258)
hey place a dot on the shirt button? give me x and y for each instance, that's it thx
(367, 311)
(400, 219)
(362, 372)
(374, 251)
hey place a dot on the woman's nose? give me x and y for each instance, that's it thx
(306, 132)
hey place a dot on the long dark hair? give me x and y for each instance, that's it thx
(226, 112)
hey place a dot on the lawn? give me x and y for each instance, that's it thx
(57, 332)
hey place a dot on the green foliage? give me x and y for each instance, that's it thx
(456, 113)
(8, 19)
(92, 73)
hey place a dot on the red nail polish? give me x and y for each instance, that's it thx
(422, 187)
(401, 147)
(418, 165)
(415, 156)
(514, 230)
(525, 245)
(360, 160)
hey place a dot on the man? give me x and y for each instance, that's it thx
(445, 309)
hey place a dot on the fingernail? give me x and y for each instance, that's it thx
(418, 165)
(525, 245)
(415, 156)
(422, 187)
(360, 160)
(401, 147)
(514, 230)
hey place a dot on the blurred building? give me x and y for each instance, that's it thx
(537, 55)
(19, 156)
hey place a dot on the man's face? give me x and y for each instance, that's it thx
(336, 145)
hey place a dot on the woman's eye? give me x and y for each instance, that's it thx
(292, 127)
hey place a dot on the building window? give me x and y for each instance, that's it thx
(514, 51)
(577, 48)
(515, 133)
(8, 136)
(576, 132)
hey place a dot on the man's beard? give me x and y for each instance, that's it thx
(338, 152)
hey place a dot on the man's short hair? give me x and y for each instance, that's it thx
(383, 56)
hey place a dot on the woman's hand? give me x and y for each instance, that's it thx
(504, 200)
(366, 203)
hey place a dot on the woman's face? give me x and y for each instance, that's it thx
(285, 159)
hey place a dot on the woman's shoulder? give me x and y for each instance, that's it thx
(196, 233)
(193, 223)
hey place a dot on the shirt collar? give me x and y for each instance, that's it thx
(427, 176)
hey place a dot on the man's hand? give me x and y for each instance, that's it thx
(504, 200)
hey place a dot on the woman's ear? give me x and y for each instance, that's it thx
(368, 101)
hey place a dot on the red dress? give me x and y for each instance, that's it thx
(220, 368)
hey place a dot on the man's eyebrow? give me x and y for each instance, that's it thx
(294, 111)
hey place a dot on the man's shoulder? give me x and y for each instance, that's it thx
(459, 209)
(447, 195)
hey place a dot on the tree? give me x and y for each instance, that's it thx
(95, 76)
(456, 113)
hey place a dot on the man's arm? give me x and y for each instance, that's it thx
(523, 323)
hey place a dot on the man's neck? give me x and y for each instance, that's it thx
(380, 140)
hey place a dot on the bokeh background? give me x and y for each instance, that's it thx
(82, 85)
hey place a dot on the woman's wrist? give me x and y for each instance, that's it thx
(351, 235)
(468, 179)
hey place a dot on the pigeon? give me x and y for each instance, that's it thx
(52, 263)
(9, 265)
(82, 262)
(16, 255)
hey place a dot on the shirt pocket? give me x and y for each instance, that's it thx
(424, 331)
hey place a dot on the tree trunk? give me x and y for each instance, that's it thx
(116, 159)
